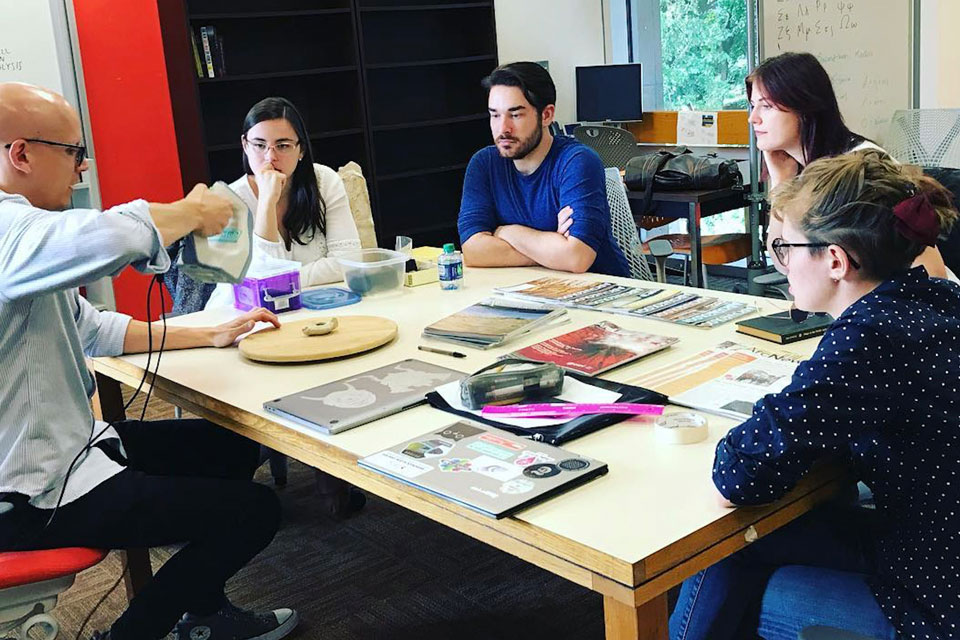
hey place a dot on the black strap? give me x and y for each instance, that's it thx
(663, 157)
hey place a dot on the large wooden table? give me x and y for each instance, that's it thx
(631, 535)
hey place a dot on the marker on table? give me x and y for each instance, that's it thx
(455, 354)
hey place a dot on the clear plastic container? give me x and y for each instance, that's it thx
(450, 268)
(373, 271)
(274, 286)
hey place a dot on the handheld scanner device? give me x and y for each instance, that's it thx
(508, 384)
(226, 256)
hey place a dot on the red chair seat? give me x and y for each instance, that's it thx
(27, 567)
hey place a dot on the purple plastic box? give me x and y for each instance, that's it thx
(277, 293)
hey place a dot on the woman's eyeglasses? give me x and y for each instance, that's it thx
(782, 250)
(282, 148)
(79, 150)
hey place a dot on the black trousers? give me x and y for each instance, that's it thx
(186, 481)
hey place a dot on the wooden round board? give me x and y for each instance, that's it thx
(354, 334)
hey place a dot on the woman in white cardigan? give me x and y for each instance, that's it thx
(301, 210)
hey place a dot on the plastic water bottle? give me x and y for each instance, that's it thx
(450, 268)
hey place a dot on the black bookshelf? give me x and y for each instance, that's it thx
(391, 84)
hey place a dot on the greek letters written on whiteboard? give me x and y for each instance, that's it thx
(800, 21)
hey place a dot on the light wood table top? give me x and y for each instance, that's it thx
(653, 520)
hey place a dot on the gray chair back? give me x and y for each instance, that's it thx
(614, 145)
(623, 226)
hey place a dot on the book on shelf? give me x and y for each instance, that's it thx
(780, 328)
(492, 322)
(219, 64)
(595, 349)
(207, 34)
(692, 309)
(196, 54)
(727, 379)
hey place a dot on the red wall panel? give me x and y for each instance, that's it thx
(130, 114)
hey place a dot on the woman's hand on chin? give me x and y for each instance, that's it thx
(270, 182)
(780, 165)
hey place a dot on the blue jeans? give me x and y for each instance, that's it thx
(813, 571)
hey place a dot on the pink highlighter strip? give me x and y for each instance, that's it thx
(569, 409)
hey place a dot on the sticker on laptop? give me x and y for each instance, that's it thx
(493, 468)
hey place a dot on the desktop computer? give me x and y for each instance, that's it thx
(610, 92)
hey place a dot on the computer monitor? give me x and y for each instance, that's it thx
(609, 92)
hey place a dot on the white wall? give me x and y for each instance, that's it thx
(567, 33)
(939, 54)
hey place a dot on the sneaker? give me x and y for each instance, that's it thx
(233, 623)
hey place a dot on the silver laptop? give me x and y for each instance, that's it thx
(485, 469)
(365, 397)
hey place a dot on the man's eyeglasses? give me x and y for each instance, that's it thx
(79, 150)
(283, 148)
(781, 250)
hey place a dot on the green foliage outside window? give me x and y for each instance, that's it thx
(704, 46)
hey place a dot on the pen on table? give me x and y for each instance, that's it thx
(455, 354)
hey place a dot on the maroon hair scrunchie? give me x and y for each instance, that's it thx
(917, 220)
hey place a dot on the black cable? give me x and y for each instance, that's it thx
(163, 340)
(92, 440)
(123, 571)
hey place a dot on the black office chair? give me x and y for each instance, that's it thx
(615, 146)
(950, 245)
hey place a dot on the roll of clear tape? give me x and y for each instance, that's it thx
(684, 427)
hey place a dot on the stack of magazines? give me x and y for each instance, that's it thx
(690, 309)
(492, 322)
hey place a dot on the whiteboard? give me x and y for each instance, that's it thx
(865, 45)
(32, 48)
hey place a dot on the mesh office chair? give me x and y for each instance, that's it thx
(926, 137)
(623, 226)
(615, 146)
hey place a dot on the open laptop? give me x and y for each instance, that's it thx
(489, 470)
(365, 397)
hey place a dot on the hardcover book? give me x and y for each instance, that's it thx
(780, 328)
(595, 348)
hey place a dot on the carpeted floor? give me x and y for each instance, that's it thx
(385, 573)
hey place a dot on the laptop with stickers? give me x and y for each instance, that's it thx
(485, 469)
(365, 397)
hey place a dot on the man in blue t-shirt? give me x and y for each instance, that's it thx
(530, 198)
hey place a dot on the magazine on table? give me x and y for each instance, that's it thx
(727, 379)
(491, 322)
(680, 307)
(595, 349)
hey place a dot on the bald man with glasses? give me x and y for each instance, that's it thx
(67, 479)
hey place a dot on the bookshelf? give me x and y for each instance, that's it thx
(391, 84)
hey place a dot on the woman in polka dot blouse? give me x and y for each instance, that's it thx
(882, 392)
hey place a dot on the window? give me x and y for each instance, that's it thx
(704, 49)
(694, 56)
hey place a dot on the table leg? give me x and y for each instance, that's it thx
(139, 572)
(696, 246)
(108, 406)
(626, 622)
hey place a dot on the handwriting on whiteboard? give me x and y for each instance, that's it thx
(801, 22)
(9, 62)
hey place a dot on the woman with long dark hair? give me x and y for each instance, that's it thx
(797, 120)
(301, 210)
